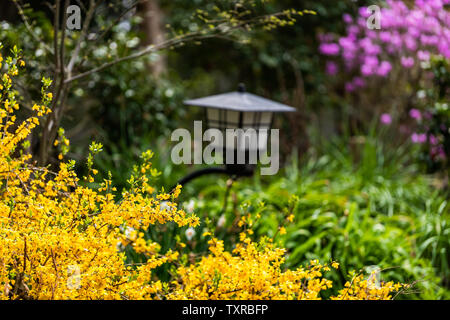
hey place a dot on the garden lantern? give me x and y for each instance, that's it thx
(238, 110)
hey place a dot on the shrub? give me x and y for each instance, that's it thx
(252, 271)
(369, 53)
(51, 227)
(61, 240)
(375, 211)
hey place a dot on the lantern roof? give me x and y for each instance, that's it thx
(240, 101)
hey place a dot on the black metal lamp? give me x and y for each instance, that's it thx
(237, 110)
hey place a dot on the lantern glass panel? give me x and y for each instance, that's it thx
(232, 119)
(266, 120)
(223, 119)
(213, 117)
(249, 120)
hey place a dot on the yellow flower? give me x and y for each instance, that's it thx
(64, 240)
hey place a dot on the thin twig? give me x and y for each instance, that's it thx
(29, 27)
(87, 22)
(177, 41)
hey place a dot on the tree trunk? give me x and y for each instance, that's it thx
(152, 27)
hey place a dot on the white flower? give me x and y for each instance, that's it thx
(124, 26)
(129, 93)
(113, 46)
(373, 282)
(132, 42)
(74, 277)
(190, 233)
(4, 25)
(164, 206)
(39, 52)
(169, 93)
(190, 206)
(421, 94)
(100, 52)
(119, 246)
(221, 221)
(425, 64)
(128, 231)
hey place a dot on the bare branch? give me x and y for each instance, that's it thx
(217, 31)
(28, 26)
(117, 20)
(63, 38)
(81, 5)
(82, 36)
(47, 4)
(60, 86)
(140, 53)
(55, 35)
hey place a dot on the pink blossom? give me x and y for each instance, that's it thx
(438, 152)
(408, 33)
(410, 43)
(364, 12)
(347, 18)
(385, 36)
(331, 68)
(349, 87)
(325, 37)
(386, 119)
(423, 55)
(367, 70)
(359, 82)
(407, 62)
(384, 68)
(415, 114)
(418, 137)
(433, 140)
(329, 49)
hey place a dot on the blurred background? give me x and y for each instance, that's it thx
(364, 158)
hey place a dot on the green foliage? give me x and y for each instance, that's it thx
(366, 213)
(362, 203)
(436, 121)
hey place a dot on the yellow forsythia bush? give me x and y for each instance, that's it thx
(253, 271)
(58, 239)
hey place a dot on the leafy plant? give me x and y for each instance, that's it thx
(372, 209)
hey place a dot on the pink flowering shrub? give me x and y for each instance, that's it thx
(429, 122)
(403, 69)
(407, 37)
(432, 118)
